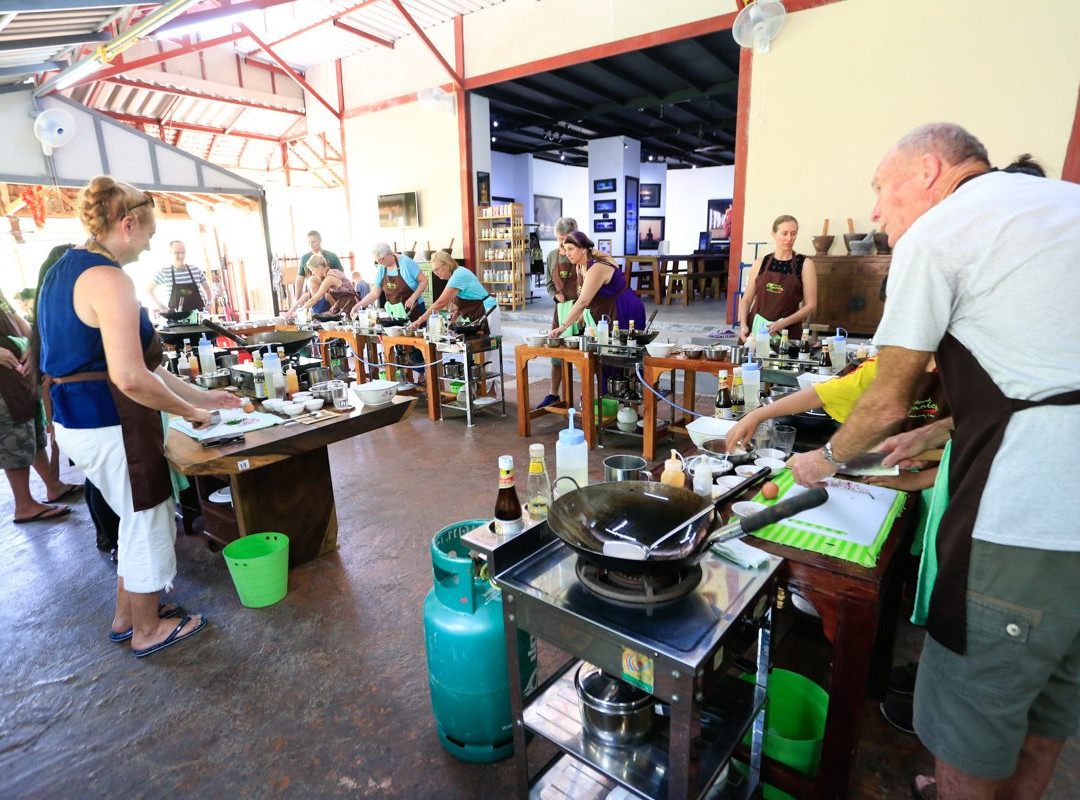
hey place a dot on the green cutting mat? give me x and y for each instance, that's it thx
(835, 546)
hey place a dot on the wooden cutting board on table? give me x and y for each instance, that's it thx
(852, 525)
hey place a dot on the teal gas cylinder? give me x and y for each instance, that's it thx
(466, 654)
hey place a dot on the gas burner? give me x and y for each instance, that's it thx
(636, 590)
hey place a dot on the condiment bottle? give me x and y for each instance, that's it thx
(738, 401)
(723, 398)
(839, 349)
(571, 456)
(271, 368)
(783, 351)
(260, 378)
(673, 471)
(761, 342)
(538, 488)
(602, 331)
(292, 382)
(508, 519)
(751, 377)
(703, 478)
(206, 355)
(193, 362)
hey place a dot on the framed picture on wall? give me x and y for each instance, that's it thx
(483, 188)
(603, 206)
(604, 245)
(503, 200)
(603, 226)
(546, 212)
(603, 185)
(630, 245)
(650, 232)
(649, 195)
(718, 221)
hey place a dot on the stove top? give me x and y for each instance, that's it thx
(637, 589)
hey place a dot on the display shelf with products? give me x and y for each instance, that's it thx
(502, 262)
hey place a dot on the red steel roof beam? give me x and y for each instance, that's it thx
(363, 34)
(322, 22)
(132, 119)
(202, 96)
(458, 79)
(292, 73)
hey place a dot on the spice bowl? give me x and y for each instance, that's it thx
(692, 350)
(573, 342)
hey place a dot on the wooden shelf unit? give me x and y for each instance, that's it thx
(502, 264)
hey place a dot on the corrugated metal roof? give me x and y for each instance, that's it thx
(22, 34)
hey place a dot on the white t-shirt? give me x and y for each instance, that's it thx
(997, 265)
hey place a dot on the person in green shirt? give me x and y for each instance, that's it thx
(315, 243)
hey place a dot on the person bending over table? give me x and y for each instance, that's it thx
(399, 280)
(781, 289)
(465, 292)
(101, 358)
(333, 291)
(311, 285)
(562, 286)
(603, 292)
(315, 243)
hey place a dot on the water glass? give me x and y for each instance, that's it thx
(763, 436)
(784, 438)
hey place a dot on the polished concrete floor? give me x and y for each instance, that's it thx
(324, 694)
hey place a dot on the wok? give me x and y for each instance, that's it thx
(643, 512)
(472, 328)
(174, 316)
(324, 316)
(291, 341)
(175, 334)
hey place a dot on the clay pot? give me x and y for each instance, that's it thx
(881, 243)
(822, 245)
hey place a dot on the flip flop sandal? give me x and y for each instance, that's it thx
(46, 515)
(177, 610)
(172, 638)
(65, 494)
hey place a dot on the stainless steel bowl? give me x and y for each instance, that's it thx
(718, 448)
(554, 341)
(218, 379)
(322, 391)
(717, 352)
(692, 350)
(613, 712)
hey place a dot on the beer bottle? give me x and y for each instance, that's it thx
(508, 519)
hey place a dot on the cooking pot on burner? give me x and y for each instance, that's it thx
(671, 527)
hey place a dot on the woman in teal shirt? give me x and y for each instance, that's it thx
(464, 290)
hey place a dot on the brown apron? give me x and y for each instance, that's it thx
(568, 274)
(144, 440)
(930, 403)
(474, 310)
(981, 413)
(778, 294)
(185, 296)
(396, 290)
(19, 391)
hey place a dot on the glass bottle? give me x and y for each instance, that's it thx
(260, 378)
(508, 519)
(723, 398)
(738, 404)
(538, 488)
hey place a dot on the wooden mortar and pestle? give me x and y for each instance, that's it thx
(851, 236)
(824, 242)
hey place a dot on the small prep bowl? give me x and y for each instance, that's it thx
(775, 464)
(726, 482)
(394, 330)
(573, 342)
(771, 452)
(693, 350)
(293, 409)
(746, 507)
(300, 397)
(659, 349)
(747, 470)
(554, 341)
(313, 405)
(535, 341)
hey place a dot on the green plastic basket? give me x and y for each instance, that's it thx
(794, 721)
(259, 565)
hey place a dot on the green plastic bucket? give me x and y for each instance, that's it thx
(610, 406)
(259, 565)
(768, 791)
(794, 720)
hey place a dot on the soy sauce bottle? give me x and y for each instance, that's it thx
(508, 518)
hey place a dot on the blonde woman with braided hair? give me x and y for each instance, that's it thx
(101, 363)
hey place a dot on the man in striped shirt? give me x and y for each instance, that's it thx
(180, 286)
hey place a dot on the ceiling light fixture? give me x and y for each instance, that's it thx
(493, 138)
(494, 123)
(562, 156)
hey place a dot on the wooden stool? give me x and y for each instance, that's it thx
(681, 279)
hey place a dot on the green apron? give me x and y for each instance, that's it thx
(928, 566)
(563, 310)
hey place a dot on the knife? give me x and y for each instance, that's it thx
(872, 461)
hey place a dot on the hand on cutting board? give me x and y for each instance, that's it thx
(906, 481)
(216, 398)
(198, 418)
(810, 469)
(903, 446)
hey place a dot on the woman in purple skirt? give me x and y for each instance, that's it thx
(603, 292)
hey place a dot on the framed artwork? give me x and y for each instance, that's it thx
(649, 195)
(604, 245)
(718, 221)
(630, 246)
(483, 188)
(546, 212)
(603, 185)
(603, 226)
(604, 206)
(650, 232)
(399, 210)
(703, 240)
(503, 200)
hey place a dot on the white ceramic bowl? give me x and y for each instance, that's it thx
(273, 405)
(659, 349)
(747, 470)
(771, 452)
(300, 397)
(395, 330)
(775, 464)
(627, 427)
(330, 326)
(536, 341)
(313, 405)
(746, 508)
(374, 393)
(293, 409)
(726, 482)
(704, 428)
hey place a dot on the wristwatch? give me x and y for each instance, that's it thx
(826, 453)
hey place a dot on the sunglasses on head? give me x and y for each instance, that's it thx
(148, 200)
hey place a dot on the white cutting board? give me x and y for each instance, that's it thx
(853, 514)
(247, 423)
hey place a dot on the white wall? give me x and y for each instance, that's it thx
(511, 176)
(293, 211)
(569, 183)
(686, 199)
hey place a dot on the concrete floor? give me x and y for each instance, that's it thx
(322, 695)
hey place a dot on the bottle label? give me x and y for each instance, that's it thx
(727, 413)
(509, 527)
(506, 478)
(535, 468)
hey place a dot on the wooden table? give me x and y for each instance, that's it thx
(652, 369)
(651, 265)
(365, 346)
(431, 373)
(859, 608)
(583, 361)
(695, 269)
(280, 478)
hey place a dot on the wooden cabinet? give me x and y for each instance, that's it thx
(503, 252)
(849, 292)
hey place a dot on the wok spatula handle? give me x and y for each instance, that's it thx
(784, 509)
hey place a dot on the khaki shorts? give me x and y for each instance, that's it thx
(1021, 672)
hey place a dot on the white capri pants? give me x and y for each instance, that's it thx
(146, 555)
(494, 322)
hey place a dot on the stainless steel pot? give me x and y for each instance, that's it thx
(613, 711)
(626, 468)
(218, 379)
(322, 391)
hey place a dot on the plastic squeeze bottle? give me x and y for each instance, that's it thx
(602, 331)
(703, 479)
(761, 342)
(571, 457)
(838, 348)
(673, 471)
(751, 378)
(206, 356)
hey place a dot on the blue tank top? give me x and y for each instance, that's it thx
(68, 345)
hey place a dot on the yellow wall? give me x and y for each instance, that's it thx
(845, 81)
